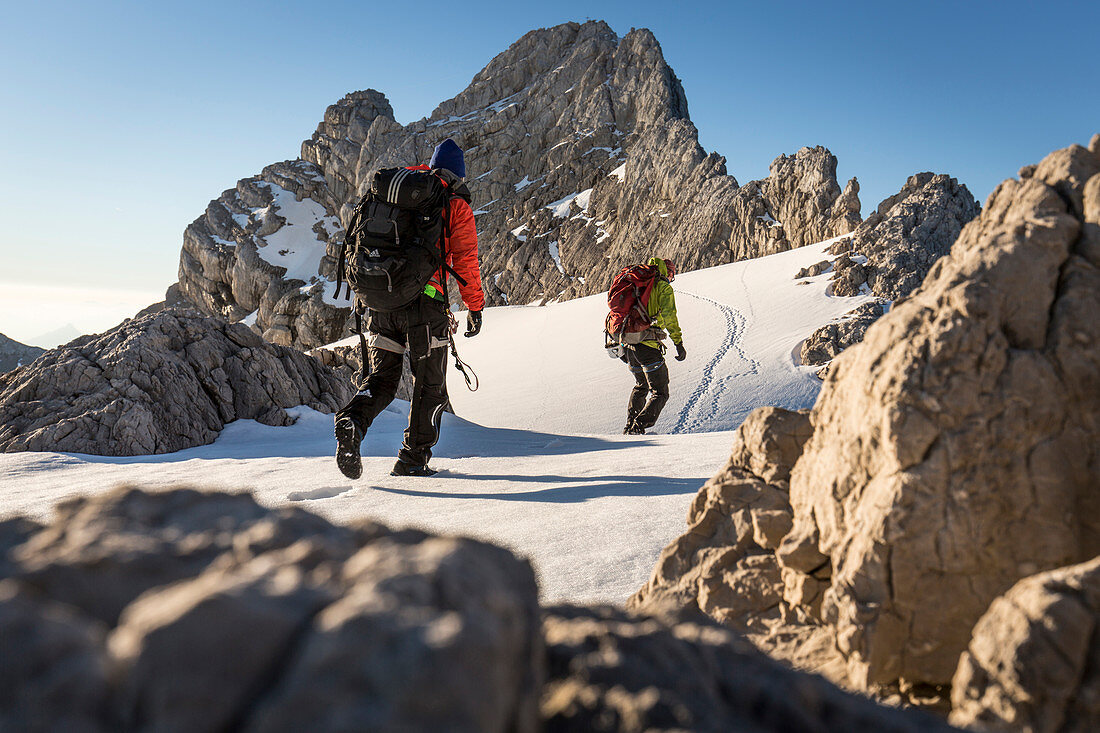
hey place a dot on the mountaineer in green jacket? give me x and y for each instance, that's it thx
(646, 357)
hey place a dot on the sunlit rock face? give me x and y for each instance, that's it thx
(581, 159)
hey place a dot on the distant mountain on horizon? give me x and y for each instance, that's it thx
(56, 337)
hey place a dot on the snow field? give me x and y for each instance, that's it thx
(545, 368)
(534, 460)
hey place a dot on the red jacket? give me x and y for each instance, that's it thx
(460, 249)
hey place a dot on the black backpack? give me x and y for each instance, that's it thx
(393, 241)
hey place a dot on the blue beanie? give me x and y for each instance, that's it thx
(448, 155)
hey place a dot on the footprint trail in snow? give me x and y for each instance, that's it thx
(702, 406)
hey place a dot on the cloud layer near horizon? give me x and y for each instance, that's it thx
(30, 312)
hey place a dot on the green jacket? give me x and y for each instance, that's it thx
(662, 306)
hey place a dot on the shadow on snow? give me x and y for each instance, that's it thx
(311, 436)
(593, 487)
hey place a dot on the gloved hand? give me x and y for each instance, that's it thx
(681, 352)
(473, 324)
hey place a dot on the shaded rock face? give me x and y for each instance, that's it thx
(955, 450)
(610, 671)
(580, 157)
(889, 255)
(825, 343)
(1034, 660)
(157, 384)
(893, 250)
(14, 354)
(183, 611)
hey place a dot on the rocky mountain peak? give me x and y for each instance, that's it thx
(896, 246)
(580, 157)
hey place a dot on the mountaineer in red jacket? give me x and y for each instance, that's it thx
(423, 329)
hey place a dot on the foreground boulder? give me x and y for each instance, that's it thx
(183, 611)
(955, 449)
(950, 454)
(167, 381)
(611, 671)
(1034, 661)
(725, 565)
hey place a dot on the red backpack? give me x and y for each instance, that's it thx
(628, 299)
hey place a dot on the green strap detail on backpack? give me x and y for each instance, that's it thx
(431, 291)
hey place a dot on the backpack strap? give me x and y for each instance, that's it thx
(364, 364)
(447, 196)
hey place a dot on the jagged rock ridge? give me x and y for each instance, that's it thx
(157, 384)
(889, 255)
(580, 156)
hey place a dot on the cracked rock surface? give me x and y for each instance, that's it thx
(157, 384)
(1034, 660)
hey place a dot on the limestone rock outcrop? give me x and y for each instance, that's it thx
(184, 611)
(1033, 663)
(580, 157)
(955, 449)
(953, 452)
(725, 565)
(897, 245)
(157, 384)
(14, 354)
(611, 671)
(258, 254)
(888, 256)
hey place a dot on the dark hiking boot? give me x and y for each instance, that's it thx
(634, 430)
(407, 469)
(347, 448)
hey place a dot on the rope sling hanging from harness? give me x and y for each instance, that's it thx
(452, 324)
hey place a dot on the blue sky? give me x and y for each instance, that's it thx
(122, 120)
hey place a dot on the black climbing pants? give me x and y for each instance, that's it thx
(650, 392)
(422, 330)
